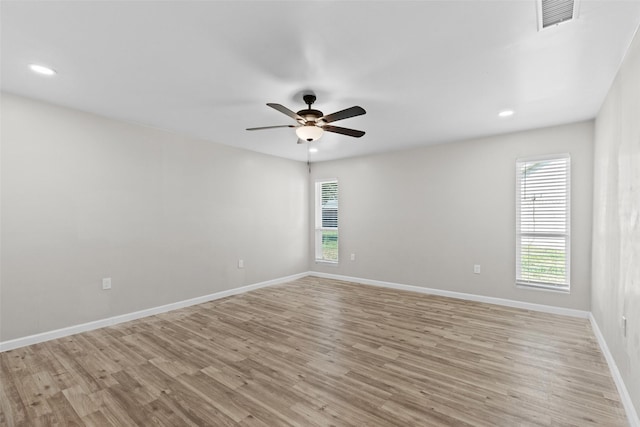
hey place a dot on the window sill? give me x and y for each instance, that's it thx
(322, 261)
(543, 288)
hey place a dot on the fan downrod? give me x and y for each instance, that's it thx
(309, 99)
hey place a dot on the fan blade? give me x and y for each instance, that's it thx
(344, 114)
(344, 131)
(286, 111)
(272, 127)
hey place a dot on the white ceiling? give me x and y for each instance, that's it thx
(426, 72)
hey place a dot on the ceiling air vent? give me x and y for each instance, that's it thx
(554, 12)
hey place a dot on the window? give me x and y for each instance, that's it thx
(542, 222)
(327, 221)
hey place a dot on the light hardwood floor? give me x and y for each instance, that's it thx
(318, 352)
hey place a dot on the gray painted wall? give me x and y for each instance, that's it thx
(616, 222)
(425, 216)
(165, 216)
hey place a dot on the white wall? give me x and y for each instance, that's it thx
(616, 223)
(425, 216)
(165, 216)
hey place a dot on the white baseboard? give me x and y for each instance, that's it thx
(75, 329)
(72, 330)
(632, 415)
(460, 295)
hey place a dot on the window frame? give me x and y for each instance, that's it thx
(319, 229)
(541, 285)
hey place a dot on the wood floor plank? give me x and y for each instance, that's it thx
(318, 352)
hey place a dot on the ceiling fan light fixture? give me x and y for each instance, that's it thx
(309, 132)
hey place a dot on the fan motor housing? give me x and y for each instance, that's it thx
(310, 114)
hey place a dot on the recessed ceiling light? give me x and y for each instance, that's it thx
(41, 69)
(313, 150)
(505, 113)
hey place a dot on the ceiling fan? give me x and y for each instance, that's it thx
(313, 123)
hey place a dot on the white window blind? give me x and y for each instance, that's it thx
(327, 221)
(542, 222)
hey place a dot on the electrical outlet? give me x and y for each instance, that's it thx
(624, 326)
(476, 269)
(240, 263)
(353, 257)
(106, 283)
